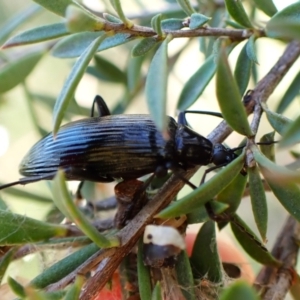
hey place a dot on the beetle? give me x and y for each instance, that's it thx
(110, 147)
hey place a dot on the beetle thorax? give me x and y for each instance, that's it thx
(192, 148)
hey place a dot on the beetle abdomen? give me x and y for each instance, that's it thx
(119, 146)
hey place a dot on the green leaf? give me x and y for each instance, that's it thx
(75, 44)
(205, 192)
(277, 121)
(205, 259)
(229, 98)
(5, 261)
(239, 290)
(237, 12)
(291, 134)
(16, 20)
(242, 70)
(14, 72)
(17, 229)
(267, 6)
(156, 86)
(285, 190)
(144, 278)
(196, 84)
(118, 8)
(172, 24)
(251, 244)
(65, 203)
(268, 150)
(291, 93)
(27, 195)
(232, 196)
(185, 276)
(56, 6)
(198, 20)
(111, 18)
(75, 289)
(64, 267)
(144, 46)
(107, 71)
(156, 25)
(38, 34)
(251, 49)
(134, 72)
(186, 6)
(72, 81)
(258, 201)
(286, 23)
(156, 294)
(78, 19)
(17, 288)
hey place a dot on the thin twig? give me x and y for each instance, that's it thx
(130, 234)
(274, 283)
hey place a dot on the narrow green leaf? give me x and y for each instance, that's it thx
(205, 192)
(285, 190)
(75, 44)
(232, 196)
(268, 150)
(14, 72)
(258, 201)
(5, 261)
(251, 243)
(234, 24)
(144, 278)
(63, 198)
(17, 288)
(251, 49)
(198, 20)
(118, 8)
(72, 81)
(277, 173)
(205, 259)
(291, 134)
(156, 86)
(16, 20)
(229, 98)
(186, 6)
(286, 23)
(196, 84)
(156, 294)
(37, 35)
(56, 6)
(267, 6)
(75, 289)
(17, 229)
(201, 215)
(156, 24)
(134, 72)
(78, 19)
(185, 276)
(239, 290)
(144, 46)
(237, 12)
(172, 24)
(277, 121)
(291, 93)
(107, 71)
(64, 266)
(111, 18)
(27, 195)
(242, 70)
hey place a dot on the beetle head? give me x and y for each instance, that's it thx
(222, 155)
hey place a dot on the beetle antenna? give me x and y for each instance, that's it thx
(26, 180)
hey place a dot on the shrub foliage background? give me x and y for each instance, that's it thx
(57, 54)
